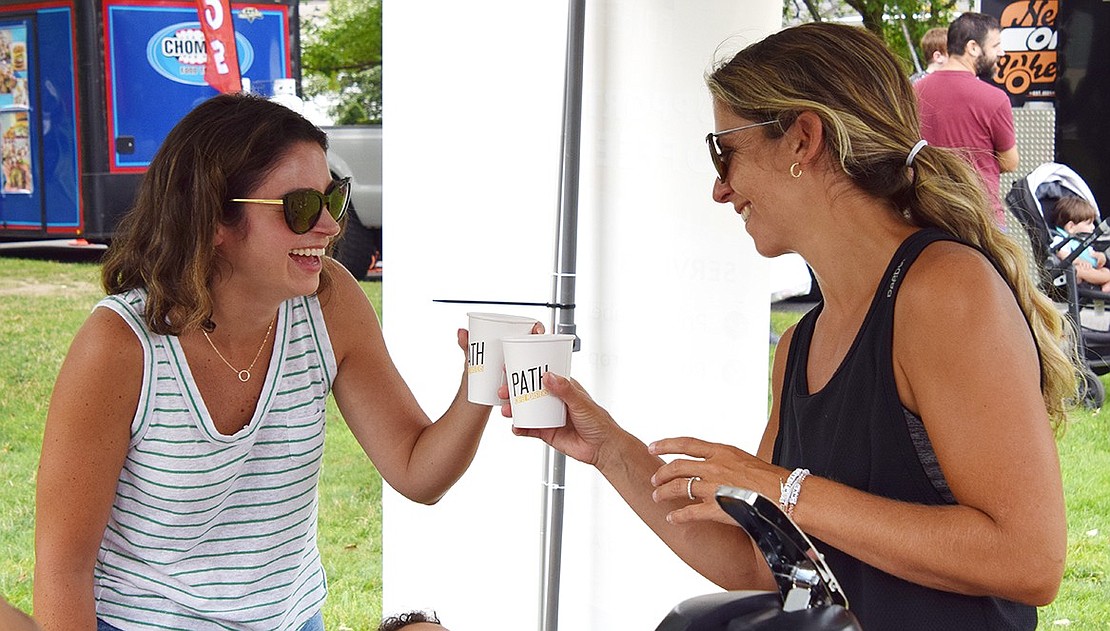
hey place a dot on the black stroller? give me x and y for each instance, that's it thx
(808, 599)
(1032, 200)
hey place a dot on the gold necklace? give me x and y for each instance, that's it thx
(245, 374)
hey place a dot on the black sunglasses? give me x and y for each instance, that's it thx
(720, 156)
(303, 207)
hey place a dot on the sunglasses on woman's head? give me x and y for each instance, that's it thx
(303, 207)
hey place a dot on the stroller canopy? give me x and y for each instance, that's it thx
(1033, 199)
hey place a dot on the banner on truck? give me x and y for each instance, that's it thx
(1027, 72)
(15, 135)
(221, 69)
(160, 49)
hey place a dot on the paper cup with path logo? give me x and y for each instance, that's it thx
(484, 360)
(526, 361)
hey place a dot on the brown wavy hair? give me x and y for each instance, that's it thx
(869, 113)
(220, 150)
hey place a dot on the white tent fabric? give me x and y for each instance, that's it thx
(672, 299)
(788, 277)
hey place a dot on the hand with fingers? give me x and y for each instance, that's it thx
(703, 467)
(464, 339)
(588, 426)
(464, 344)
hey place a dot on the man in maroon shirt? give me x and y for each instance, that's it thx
(959, 110)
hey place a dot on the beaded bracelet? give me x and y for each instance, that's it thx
(789, 490)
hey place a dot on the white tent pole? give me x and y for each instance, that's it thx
(562, 311)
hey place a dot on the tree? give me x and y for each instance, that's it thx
(900, 23)
(341, 56)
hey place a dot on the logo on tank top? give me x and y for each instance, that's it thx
(894, 278)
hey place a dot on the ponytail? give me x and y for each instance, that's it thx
(948, 194)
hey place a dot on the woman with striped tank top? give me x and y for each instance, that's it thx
(177, 487)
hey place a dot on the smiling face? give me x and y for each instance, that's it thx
(263, 250)
(752, 185)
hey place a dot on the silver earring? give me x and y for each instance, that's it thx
(795, 171)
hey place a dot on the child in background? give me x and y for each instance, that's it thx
(934, 48)
(1075, 215)
(412, 621)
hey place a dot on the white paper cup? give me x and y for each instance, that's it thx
(526, 361)
(484, 361)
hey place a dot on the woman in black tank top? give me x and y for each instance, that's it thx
(911, 433)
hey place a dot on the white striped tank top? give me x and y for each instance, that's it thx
(219, 532)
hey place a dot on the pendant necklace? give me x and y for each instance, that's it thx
(245, 374)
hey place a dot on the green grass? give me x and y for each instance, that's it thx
(41, 306)
(43, 303)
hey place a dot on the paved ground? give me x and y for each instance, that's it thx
(66, 250)
(792, 306)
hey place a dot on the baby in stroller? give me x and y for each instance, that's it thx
(1038, 202)
(1075, 218)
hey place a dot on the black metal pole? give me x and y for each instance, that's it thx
(562, 316)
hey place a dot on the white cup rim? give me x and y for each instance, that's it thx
(533, 339)
(500, 317)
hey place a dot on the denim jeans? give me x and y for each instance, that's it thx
(315, 624)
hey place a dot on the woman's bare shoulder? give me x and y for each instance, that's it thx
(106, 329)
(949, 275)
(953, 300)
(100, 379)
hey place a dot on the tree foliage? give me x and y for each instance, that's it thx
(341, 56)
(341, 49)
(900, 23)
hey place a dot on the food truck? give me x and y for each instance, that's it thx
(90, 88)
(1054, 71)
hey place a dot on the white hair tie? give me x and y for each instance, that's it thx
(913, 152)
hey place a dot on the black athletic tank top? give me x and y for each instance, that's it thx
(856, 431)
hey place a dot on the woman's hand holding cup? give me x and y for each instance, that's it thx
(589, 426)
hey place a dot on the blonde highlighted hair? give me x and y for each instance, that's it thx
(870, 119)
